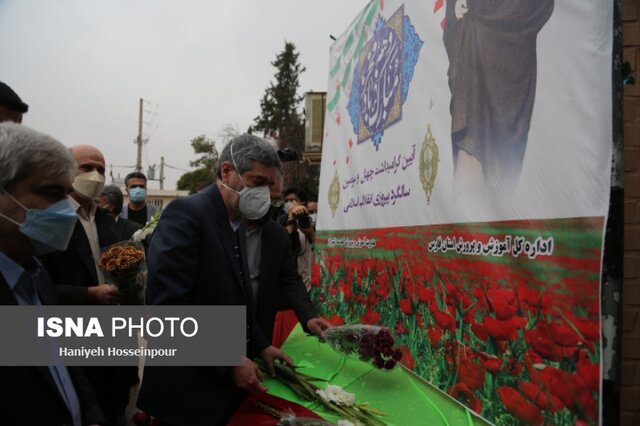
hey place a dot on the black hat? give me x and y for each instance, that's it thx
(10, 99)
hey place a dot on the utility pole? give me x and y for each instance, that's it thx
(161, 173)
(139, 140)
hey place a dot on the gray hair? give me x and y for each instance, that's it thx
(23, 150)
(246, 150)
(113, 195)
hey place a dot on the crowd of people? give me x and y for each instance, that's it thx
(240, 241)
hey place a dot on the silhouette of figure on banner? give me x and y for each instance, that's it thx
(492, 76)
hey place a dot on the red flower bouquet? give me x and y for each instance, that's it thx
(370, 343)
(125, 267)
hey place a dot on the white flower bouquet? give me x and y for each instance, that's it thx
(332, 397)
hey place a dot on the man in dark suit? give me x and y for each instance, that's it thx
(111, 201)
(197, 256)
(78, 281)
(277, 285)
(35, 176)
(75, 272)
(280, 285)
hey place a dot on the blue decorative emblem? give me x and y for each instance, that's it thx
(381, 78)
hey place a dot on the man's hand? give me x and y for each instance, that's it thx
(104, 294)
(248, 376)
(272, 353)
(295, 215)
(317, 326)
(460, 8)
(298, 210)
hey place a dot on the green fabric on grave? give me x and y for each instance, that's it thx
(406, 399)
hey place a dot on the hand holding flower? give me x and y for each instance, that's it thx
(248, 376)
(103, 294)
(317, 326)
(269, 356)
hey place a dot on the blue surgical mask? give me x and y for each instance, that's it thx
(137, 195)
(48, 229)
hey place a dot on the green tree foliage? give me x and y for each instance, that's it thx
(279, 105)
(195, 180)
(205, 173)
(207, 147)
(280, 118)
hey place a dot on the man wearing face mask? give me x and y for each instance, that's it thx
(75, 272)
(36, 218)
(138, 210)
(198, 256)
(78, 280)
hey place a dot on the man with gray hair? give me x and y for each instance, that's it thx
(36, 217)
(198, 256)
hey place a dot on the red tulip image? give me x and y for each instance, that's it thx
(370, 317)
(517, 405)
(504, 330)
(471, 374)
(541, 397)
(445, 320)
(405, 306)
(503, 302)
(462, 393)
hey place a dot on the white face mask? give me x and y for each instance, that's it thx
(89, 185)
(288, 205)
(313, 216)
(254, 201)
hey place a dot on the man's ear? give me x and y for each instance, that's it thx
(225, 170)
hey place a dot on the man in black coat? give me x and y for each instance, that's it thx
(111, 201)
(198, 256)
(75, 271)
(280, 285)
(275, 280)
(35, 176)
(78, 280)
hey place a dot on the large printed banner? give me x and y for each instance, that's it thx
(464, 192)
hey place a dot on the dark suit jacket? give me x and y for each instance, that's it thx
(192, 261)
(281, 286)
(29, 396)
(73, 270)
(125, 228)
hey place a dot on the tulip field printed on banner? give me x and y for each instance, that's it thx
(522, 316)
(464, 192)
